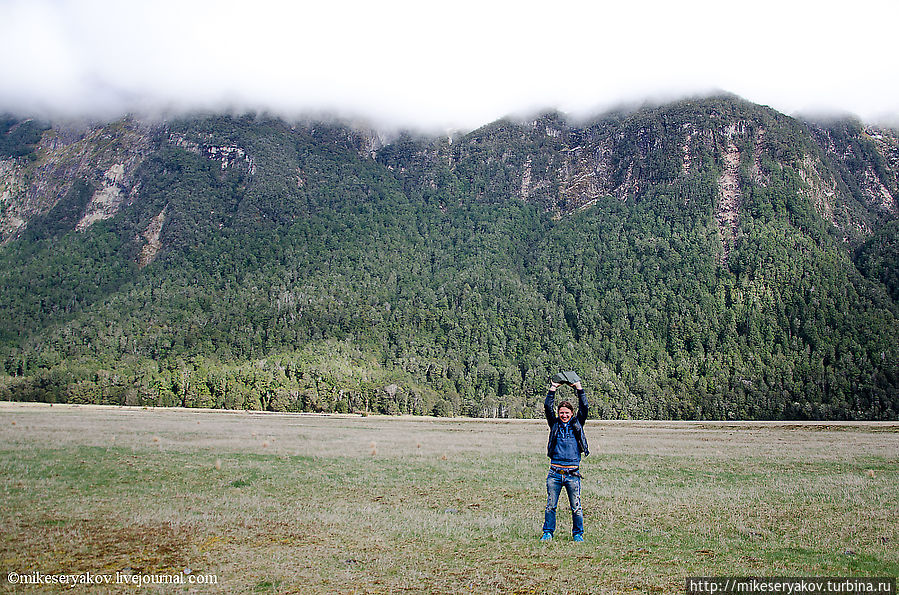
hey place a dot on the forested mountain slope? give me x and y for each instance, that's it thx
(703, 259)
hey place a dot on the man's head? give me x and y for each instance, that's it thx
(565, 411)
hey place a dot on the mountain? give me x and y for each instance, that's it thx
(708, 258)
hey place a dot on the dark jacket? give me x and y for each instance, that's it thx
(577, 422)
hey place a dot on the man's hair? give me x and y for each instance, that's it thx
(565, 404)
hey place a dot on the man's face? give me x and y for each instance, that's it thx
(564, 414)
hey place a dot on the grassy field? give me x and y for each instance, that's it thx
(290, 503)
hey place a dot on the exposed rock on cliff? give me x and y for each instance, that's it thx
(105, 157)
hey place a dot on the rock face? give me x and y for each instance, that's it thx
(106, 157)
(855, 174)
(227, 155)
(106, 201)
(151, 236)
(12, 186)
(846, 171)
(727, 211)
(880, 183)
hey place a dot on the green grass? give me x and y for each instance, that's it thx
(296, 504)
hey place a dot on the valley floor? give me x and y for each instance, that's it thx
(292, 503)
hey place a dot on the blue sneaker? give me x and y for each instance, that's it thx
(579, 538)
(547, 536)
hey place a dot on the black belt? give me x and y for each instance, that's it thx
(564, 471)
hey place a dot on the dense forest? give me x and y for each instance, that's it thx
(315, 267)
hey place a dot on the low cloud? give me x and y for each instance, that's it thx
(454, 65)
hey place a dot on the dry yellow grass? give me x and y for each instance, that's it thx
(293, 503)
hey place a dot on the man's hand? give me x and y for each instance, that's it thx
(578, 386)
(553, 386)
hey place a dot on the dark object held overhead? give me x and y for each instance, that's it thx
(566, 378)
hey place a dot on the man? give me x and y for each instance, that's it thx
(566, 443)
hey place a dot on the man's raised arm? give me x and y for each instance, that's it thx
(548, 404)
(582, 406)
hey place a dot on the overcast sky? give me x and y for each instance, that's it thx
(443, 65)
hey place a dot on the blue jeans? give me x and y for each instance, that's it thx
(572, 483)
